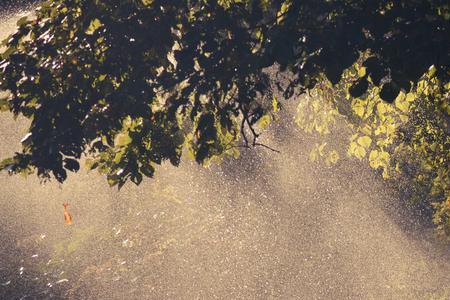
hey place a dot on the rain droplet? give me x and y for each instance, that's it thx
(6, 283)
(25, 137)
(127, 243)
(62, 280)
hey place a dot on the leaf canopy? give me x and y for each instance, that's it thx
(133, 83)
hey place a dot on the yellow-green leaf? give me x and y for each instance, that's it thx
(364, 141)
(358, 108)
(410, 97)
(332, 158)
(362, 72)
(264, 121)
(313, 155)
(122, 139)
(281, 15)
(356, 150)
(321, 149)
(276, 105)
(381, 109)
(373, 159)
(93, 26)
(360, 152)
(403, 106)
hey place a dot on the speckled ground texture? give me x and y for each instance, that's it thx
(264, 226)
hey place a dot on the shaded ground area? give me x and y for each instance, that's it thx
(265, 226)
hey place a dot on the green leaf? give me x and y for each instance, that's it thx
(373, 159)
(147, 170)
(362, 71)
(321, 149)
(356, 150)
(264, 121)
(358, 107)
(410, 97)
(276, 106)
(4, 105)
(137, 178)
(379, 159)
(314, 154)
(5, 163)
(112, 181)
(381, 109)
(281, 15)
(93, 26)
(332, 158)
(7, 53)
(122, 139)
(364, 141)
(360, 152)
(91, 164)
(380, 130)
(402, 103)
(22, 21)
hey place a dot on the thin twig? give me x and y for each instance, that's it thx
(267, 147)
(250, 147)
(255, 135)
(243, 131)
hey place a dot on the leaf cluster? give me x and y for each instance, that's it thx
(132, 83)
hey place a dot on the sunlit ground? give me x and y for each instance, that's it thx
(264, 226)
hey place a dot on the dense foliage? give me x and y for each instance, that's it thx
(133, 83)
(407, 142)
